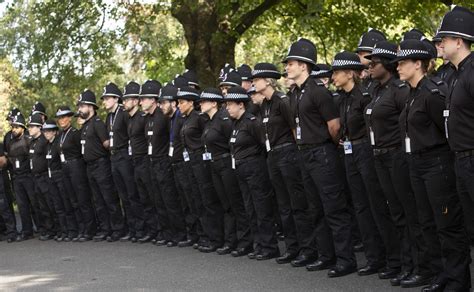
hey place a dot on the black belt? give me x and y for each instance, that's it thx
(282, 146)
(219, 157)
(244, 160)
(157, 158)
(71, 160)
(45, 173)
(381, 151)
(97, 160)
(310, 146)
(429, 149)
(116, 151)
(462, 154)
(358, 141)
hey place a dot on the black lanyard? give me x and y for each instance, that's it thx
(113, 117)
(63, 138)
(173, 121)
(268, 108)
(347, 107)
(408, 105)
(234, 136)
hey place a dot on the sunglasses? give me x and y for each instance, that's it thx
(374, 63)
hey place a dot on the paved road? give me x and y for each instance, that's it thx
(50, 266)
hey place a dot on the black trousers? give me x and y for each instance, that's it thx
(256, 191)
(107, 204)
(185, 188)
(167, 201)
(322, 164)
(440, 213)
(62, 204)
(76, 185)
(49, 217)
(28, 204)
(373, 215)
(146, 192)
(293, 207)
(236, 223)
(6, 212)
(122, 173)
(465, 185)
(212, 212)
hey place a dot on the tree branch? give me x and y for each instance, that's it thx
(249, 18)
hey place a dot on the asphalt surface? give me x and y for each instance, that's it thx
(34, 265)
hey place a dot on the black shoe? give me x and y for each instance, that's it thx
(320, 265)
(145, 239)
(388, 273)
(161, 242)
(302, 260)
(252, 255)
(85, 238)
(171, 244)
(369, 270)
(115, 236)
(286, 258)
(127, 237)
(23, 237)
(358, 247)
(341, 270)
(224, 250)
(76, 239)
(11, 239)
(267, 255)
(400, 277)
(435, 287)
(416, 281)
(186, 243)
(60, 237)
(46, 237)
(100, 237)
(196, 245)
(241, 251)
(207, 249)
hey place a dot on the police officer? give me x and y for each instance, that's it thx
(322, 72)
(247, 157)
(279, 126)
(317, 130)
(39, 108)
(75, 180)
(121, 161)
(94, 145)
(170, 215)
(138, 150)
(381, 119)
(192, 78)
(39, 171)
(28, 206)
(245, 72)
(371, 208)
(6, 211)
(56, 190)
(366, 45)
(432, 169)
(215, 137)
(212, 213)
(446, 70)
(230, 79)
(184, 187)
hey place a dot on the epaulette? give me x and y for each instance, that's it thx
(399, 83)
(252, 118)
(433, 86)
(143, 114)
(281, 94)
(365, 93)
(97, 119)
(318, 82)
(225, 118)
(335, 94)
(438, 81)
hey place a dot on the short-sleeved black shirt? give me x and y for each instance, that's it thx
(422, 119)
(117, 124)
(52, 154)
(94, 133)
(247, 137)
(136, 132)
(157, 131)
(277, 119)
(38, 163)
(351, 110)
(176, 124)
(191, 131)
(381, 115)
(18, 150)
(460, 103)
(313, 106)
(70, 143)
(217, 132)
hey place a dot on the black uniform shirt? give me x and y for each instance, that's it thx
(18, 155)
(313, 106)
(277, 119)
(351, 109)
(369, 85)
(460, 103)
(176, 124)
(38, 162)
(70, 143)
(52, 154)
(381, 115)
(136, 131)
(422, 119)
(216, 134)
(246, 139)
(94, 133)
(445, 72)
(157, 131)
(117, 123)
(191, 131)
(6, 140)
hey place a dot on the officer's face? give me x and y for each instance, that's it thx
(224, 89)
(260, 84)
(49, 135)
(17, 131)
(165, 106)
(246, 84)
(362, 58)
(109, 102)
(34, 130)
(450, 46)
(185, 106)
(407, 69)
(257, 98)
(341, 77)
(376, 69)
(207, 106)
(439, 50)
(64, 122)
(147, 103)
(294, 69)
(234, 109)
(84, 110)
(130, 103)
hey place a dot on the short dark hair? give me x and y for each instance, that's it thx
(309, 67)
